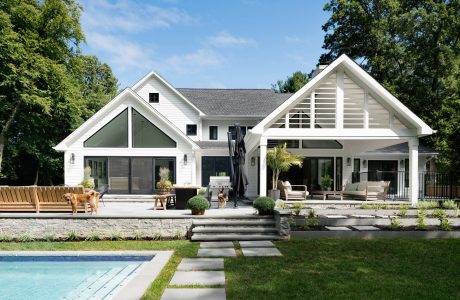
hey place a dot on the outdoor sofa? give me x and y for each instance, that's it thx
(290, 192)
(366, 190)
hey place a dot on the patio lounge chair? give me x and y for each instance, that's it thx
(288, 193)
(366, 190)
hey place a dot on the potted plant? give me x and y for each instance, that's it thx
(280, 160)
(326, 182)
(164, 184)
(198, 205)
(88, 182)
(264, 205)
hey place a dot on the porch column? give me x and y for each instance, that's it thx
(413, 171)
(263, 168)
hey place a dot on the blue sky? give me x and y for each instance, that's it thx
(211, 44)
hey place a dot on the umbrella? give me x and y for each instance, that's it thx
(238, 158)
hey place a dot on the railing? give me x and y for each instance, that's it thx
(432, 185)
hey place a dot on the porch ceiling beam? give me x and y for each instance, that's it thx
(342, 134)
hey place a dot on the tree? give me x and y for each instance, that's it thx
(292, 84)
(412, 48)
(46, 86)
(281, 160)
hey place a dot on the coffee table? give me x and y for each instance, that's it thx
(325, 194)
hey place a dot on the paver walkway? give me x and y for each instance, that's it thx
(201, 271)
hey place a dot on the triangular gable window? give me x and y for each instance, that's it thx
(147, 135)
(113, 135)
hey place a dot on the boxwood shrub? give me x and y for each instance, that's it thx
(198, 203)
(264, 205)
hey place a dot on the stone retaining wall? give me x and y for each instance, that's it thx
(42, 228)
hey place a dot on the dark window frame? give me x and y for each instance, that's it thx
(154, 97)
(189, 127)
(133, 129)
(211, 136)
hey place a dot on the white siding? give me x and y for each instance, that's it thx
(179, 112)
(222, 127)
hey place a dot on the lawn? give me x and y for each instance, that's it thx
(317, 268)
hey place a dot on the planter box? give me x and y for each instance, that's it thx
(376, 234)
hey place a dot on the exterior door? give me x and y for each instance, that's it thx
(141, 175)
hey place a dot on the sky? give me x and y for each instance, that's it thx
(205, 43)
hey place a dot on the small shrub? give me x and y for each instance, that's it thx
(197, 203)
(445, 225)
(365, 206)
(116, 236)
(138, 235)
(5, 238)
(87, 184)
(292, 220)
(280, 204)
(25, 238)
(297, 208)
(421, 220)
(427, 205)
(50, 237)
(157, 236)
(403, 211)
(439, 213)
(72, 236)
(449, 204)
(312, 214)
(201, 192)
(264, 205)
(178, 235)
(395, 223)
(93, 236)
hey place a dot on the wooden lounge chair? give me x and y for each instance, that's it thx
(50, 198)
(288, 193)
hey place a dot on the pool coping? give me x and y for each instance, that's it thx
(134, 286)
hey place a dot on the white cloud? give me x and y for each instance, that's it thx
(193, 62)
(129, 16)
(224, 39)
(123, 55)
(293, 39)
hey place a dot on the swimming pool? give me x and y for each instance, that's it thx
(91, 275)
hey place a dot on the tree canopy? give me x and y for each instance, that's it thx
(47, 87)
(292, 84)
(412, 48)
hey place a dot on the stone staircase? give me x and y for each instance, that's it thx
(232, 229)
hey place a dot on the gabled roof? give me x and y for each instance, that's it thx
(234, 102)
(402, 148)
(63, 145)
(354, 69)
(167, 84)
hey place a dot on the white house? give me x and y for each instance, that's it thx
(342, 121)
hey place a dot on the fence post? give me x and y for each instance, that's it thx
(451, 185)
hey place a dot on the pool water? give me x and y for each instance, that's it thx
(65, 277)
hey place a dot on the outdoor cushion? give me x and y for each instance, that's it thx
(287, 186)
(362, 186)
(351, 187)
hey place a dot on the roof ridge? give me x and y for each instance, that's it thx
(257, 89)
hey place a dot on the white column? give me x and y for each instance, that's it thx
(263, 167)
(413, 171)
(339, 101)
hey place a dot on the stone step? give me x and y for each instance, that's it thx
(234, 237)
(230, 222)
(233, 229)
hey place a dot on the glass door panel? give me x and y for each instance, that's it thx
(141, 175)
(167, 163)
(98, 167)
(118, 175)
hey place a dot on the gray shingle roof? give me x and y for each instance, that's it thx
(234, 102)
(404, 149)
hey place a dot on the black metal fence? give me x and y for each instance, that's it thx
(432, 185)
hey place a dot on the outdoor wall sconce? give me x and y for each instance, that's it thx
(72, 158)
(348, 161)
(364, 163)
(185, 159)
(253, 161)
(401, 163)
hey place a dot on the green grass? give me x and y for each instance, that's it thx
(314, 269)
(349, 269)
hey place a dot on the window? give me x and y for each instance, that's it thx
(113, 135)
(191, 129)
(147, 135)
(213, 132)
(154, 97)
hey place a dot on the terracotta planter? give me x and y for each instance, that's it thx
(198, 212)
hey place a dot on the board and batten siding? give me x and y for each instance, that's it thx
(73, 172)
(170, 105)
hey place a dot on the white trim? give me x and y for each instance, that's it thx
(166, 83)
(339, 99)
(63, 145)
(130, 126)
(350, 66)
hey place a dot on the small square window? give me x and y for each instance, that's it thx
(154, 97)
(191, 129)
(213, 132)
